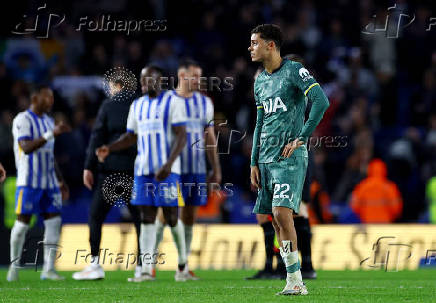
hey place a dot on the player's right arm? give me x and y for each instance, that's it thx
(254, 173)
(27, 144)
(124, 141)
(98, 137)
(2, 173)
(177, 118)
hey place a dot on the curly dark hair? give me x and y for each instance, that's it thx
(269, 32)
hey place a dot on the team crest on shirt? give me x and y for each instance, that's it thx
(169, 193)
(304, 74)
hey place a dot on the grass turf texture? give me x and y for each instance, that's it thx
(224, 286)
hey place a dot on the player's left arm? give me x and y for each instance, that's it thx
(179, 142)
(65, 191)
(177, 118)
(312, 90)
(305, 82)
(211, 146)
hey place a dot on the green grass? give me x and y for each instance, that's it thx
(225, 286)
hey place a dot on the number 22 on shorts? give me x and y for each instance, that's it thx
(283, 189)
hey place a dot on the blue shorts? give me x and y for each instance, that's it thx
(194, 189)
(147, 191)
(30, 200)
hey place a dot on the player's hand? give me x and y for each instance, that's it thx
(102, 152)
(290, 147)
(214, 177)
(61, 128)
(2, 173)
(163, 172)
(255, 177)
(65, 191)
(88, 179)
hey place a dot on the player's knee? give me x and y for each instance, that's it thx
(95, 217)
(24, 218)
(261, 218)
(171, 219)
(277, 215)
(276, 226)
(147, 219)
(188, 219)
(187, 215)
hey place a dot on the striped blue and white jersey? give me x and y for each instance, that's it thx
(152, 120)
(35, 169)
(199, 112)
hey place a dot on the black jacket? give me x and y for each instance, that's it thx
(109, 125)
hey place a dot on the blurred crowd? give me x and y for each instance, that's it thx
(382, 90)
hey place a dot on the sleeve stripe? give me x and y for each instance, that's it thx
(24, 138)
(130, 130)
(260, 107)
(309, 88)
(178, 123)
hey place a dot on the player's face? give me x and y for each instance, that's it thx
(114, 88)
(45, 99)
(258, 48)
(193, 75)
(150, 81)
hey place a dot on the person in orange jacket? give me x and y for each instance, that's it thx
(376, 199)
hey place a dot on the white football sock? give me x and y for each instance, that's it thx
(188, 238)
(179, 239)
(52, 233)
(159, 234)
(18, 236)
(291, 260)
(147, 241)
(95, 260)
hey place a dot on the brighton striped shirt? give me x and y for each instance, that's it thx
(199, 111)
(152, 120)
(36, 169)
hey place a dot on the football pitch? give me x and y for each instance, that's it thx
(225, 286)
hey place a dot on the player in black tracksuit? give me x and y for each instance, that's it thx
(110, 124)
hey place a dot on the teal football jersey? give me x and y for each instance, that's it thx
(282, 96)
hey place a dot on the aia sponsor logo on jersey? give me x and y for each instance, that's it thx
(271, 106)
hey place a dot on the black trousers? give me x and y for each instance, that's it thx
(99, 210)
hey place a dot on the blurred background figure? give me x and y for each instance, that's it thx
(376, 199)
(109, 125)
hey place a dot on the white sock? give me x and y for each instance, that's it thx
(95, 260)
(179, 239)
(159, 234)
(188, 238)
(18, 236)
(52, 233)
(147, 241)
(291, 260)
